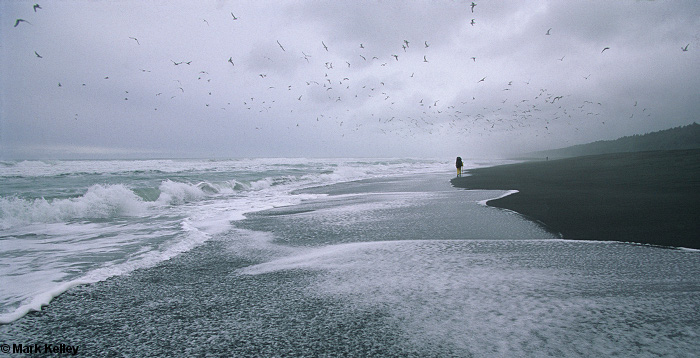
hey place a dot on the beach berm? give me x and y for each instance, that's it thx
(642, 197)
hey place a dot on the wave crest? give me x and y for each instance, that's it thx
(173, 193)
(100, 201)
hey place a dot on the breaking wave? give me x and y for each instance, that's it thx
(99, 202)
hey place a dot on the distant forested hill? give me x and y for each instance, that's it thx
(685, 137)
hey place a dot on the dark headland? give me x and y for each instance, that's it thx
(648, 197)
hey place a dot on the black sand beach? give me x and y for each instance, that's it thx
(643, 197)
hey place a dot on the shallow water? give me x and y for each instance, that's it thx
(66, 223)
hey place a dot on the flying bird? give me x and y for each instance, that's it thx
(472, 22)
(472, 5)
(135, 39)
(324, 45)
(21, 20)
(607, 48)
(281, 46)
(685, 48)
(426, 44)
(37, 55)
(425, 59)
(36, 6)
(306, 57)
(482, 80)
(550, 29)
(234, 16)
(230, 59)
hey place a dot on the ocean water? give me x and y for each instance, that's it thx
(304, 257)
(65, 223)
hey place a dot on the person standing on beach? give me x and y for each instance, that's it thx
(459, 165)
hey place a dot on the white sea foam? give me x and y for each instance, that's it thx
(106, 218)
(191, 238)
(100, 201)
(172, 192)
(508, 297)
(40, 300)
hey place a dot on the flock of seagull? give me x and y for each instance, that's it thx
(333, 88)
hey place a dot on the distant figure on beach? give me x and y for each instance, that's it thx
(459, 165)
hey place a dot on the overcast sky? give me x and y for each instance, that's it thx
(379, 78)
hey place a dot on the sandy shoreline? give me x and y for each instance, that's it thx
(644, 197)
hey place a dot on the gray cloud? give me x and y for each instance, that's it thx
(123, 98)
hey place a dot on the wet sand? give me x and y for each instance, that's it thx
(644, 197)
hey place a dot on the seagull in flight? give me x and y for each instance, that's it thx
(472, 22)
(607, 48)
(36, 6)
(21, 20)
(234, 16)
(281, 46)
(135, 39)
(306, 57)
(425, 59)
(685, 48)
(550, 29)
(324, 45)
(482, 80)
(472, 5)
(37, 55)
(230, 59)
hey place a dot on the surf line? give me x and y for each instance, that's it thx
(485, 202)
(511, 192)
